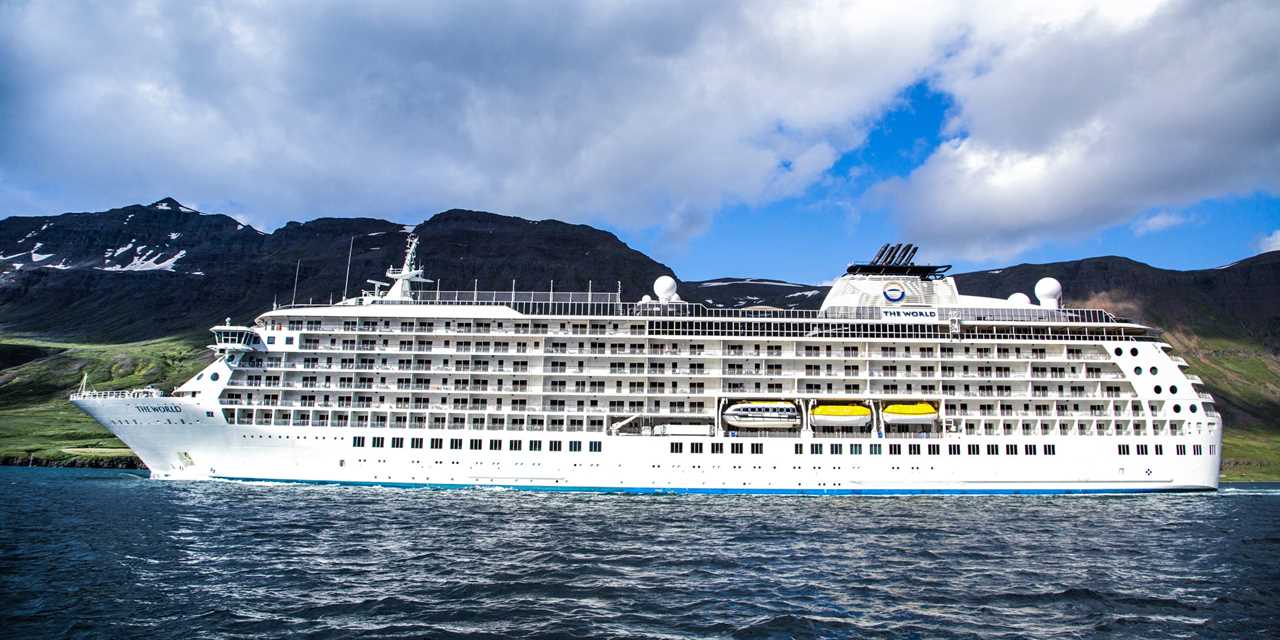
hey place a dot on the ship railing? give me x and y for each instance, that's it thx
(589, 303)
(131, 394)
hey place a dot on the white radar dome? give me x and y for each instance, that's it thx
(664, 287)
(1048, 291)
(1020, 298)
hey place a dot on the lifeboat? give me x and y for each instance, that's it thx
(918, 413)
(841, 415)
(762, 415)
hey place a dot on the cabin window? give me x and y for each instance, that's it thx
(1050, 449)
(437, 443)
(735, 447)
(595, 446)
(358, 441)
(717, 447)
(397, 443)
(895, 449)
(1122, 449)
(837, 449)
(677, 447)
(815, 448)
(379, 441)
(757, 447)
(875, 449)
(575, 446)
(993, 449)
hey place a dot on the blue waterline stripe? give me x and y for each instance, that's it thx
(711, 490)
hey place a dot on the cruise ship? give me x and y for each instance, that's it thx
(898, 384)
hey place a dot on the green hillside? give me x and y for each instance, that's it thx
(38, 425)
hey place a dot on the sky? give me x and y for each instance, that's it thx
(758, 139)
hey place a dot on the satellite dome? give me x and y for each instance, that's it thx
(645, 300)
(1020, 298)
(1048, 291)
(675, 297)
(664, 287)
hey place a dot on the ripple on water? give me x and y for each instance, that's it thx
(102, 554)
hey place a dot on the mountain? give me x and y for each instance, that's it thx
(736, 293)
(85, 275)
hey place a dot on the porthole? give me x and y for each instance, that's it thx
(1159, 389)
(1177, 408)
(1154, 371)
(1173, 389)
(1133, 351)
(199, 376)
(214, 376)
(1119, 351)
(1192, 408)
(1137, 371)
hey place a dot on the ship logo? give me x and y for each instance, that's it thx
(894, 291)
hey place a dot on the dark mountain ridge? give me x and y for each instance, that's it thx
(84, 276)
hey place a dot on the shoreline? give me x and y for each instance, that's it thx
(72, 461)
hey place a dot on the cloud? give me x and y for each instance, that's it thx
(1158, 222)
(1067, 117)
(1067, 124)
(1270, 242)
(644, 114)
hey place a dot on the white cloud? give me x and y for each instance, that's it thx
(1067, 117)
(1158, 221)
(655, 113)
(1066, 124)
(1270, 242)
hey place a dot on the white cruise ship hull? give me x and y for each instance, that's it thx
(190, 445)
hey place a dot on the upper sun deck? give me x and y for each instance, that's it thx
(889, 289)
(591, 304)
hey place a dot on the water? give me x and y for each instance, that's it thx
(90, 553)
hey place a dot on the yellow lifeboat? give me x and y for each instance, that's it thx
(840, 415)
(918, 413)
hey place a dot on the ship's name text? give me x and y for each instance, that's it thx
(163, 408)
(909, 314)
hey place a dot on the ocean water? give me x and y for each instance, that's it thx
(95, 553)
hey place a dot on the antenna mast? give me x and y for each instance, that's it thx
(350, 247)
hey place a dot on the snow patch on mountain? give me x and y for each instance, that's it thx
(804, 294)
(408, 228)
(62, 265)
(164, 206)
(776, 283)
(175, 236)
(150, 261)
(40, 257)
